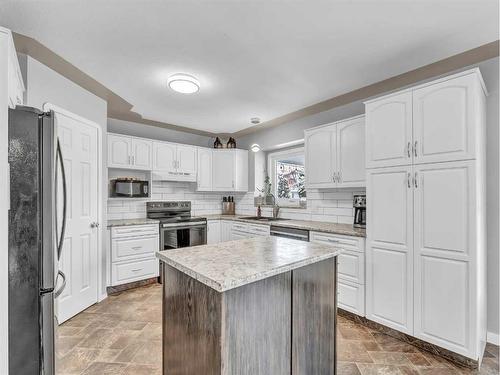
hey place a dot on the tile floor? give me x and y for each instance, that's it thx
(122, 336)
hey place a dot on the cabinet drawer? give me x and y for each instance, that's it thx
(351, 297)
(345, 242)
(134, 247)
(351, 266)
(260, 230)
(240, 226)
(122, 273)
(135, 230)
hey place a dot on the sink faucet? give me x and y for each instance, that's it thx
(276, 208)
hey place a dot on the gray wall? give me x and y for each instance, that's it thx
(155, 132)
(293, 131)
(43, 85)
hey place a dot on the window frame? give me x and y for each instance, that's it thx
(272, 158)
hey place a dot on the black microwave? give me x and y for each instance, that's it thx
(129, 188)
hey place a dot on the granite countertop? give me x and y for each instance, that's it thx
(126, 222)
(317, 226)
(232, 264)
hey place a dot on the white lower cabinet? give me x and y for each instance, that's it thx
(213, 231)
(133, 253)
(350, 267)
(241, 230)
(226, 227)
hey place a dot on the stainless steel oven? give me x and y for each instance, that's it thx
(176, 235)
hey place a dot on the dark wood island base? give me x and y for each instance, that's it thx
(283, 324)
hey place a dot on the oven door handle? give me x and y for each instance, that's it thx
(183, 226)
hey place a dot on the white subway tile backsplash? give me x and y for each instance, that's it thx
(332, 205)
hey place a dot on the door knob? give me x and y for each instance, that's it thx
(94, 224)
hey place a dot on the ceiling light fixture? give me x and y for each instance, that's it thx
(255, 147)
(183, 83)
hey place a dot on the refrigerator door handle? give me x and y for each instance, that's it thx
(58, 292)
(60, 240)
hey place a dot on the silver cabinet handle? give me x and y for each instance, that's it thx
(409, 180)
(408, 149)
(416, 180)
(415, 149)
(136, 247)
(136, 270)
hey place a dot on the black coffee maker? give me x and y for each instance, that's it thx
(359, 204)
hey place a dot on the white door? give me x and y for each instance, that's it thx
(186, 159)
(351, 153)
(204, 169)
(213, 231)
(119, 151)
(389, 131)
(444, 119)
(164, 155)
(444, 239)
(389, 245)
(79, 257)
(141, 153)
(223, 168)
(320, 156)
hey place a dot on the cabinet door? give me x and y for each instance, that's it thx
(186, 159)
(226, 228)
(119, 151)
(164, 155)
(204, 179)
(241, 170)
(444, 120)
(389, 131)
(351, 153)
(389, 245)
(445, 238)
(223, 170)
(320, 156)
(141, 153)
(213, 231)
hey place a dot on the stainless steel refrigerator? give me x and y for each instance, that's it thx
(35, 239)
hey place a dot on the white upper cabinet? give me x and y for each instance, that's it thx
(224, 165)
(320, 156)
(204, 180)
(141, 153)
(164, 155)
(119, 151)
(389, 131)
(174, 162)
(229, 170)
(351, 153)
(14, 84)
(186, 159)
(129, 152)
(445, 119)
(335, 154)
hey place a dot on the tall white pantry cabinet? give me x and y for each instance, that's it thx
(426, 240)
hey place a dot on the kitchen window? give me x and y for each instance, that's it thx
(286, 170)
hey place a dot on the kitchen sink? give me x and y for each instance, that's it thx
(262, 218)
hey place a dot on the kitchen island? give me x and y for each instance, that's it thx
(260, 306)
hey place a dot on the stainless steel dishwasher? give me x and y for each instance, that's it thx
(292, 233)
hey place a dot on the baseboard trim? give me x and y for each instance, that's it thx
(135, 284)
(493, 338)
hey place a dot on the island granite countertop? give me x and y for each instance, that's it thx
(232, 264)
(317, 226)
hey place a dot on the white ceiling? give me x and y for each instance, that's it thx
(253, 58)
